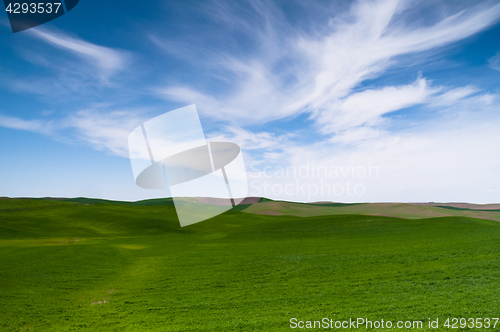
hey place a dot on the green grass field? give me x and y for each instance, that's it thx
(66, 266)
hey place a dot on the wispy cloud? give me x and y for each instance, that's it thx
(38, 126)
(317, 72)
(290, 70)
(340, 79)
(366, 107)
(356, 135)
(106, 60)
(104, 129)
(452, 96)
(322, 71)
(450, 160)
(250, 140)
(494, 61)
(69, 66)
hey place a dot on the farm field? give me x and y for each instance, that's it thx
(399, 210)
(92, 265)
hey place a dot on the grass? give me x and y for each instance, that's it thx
(66, 266)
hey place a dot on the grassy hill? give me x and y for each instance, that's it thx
(68, 266)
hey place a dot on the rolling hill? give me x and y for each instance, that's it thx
(91, 265)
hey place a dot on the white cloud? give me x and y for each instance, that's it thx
(322, 68)
(249, 140)
(368, 106)
(107, 60)
(452, 96)
(76, 68)
(184, 94)
(453, 159)
(38, 126)
(438, 165)
(356, 135)
(98, 127)
(318, 70)
(321, 72)
(105, 131)
(494, 61)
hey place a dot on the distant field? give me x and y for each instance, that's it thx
(400, 210)
(88, 265)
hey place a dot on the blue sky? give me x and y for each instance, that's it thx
(407, 88)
